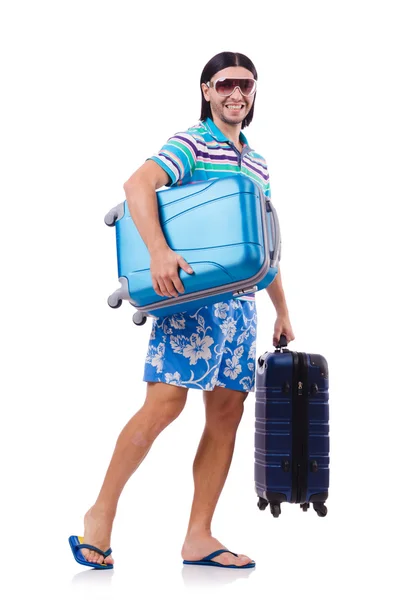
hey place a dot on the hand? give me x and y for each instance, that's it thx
(282, 326)
(164, 266)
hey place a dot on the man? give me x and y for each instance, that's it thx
(220, 361)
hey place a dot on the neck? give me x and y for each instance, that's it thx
(232, 132)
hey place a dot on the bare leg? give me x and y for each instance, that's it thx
(224, 409)
(162, 405)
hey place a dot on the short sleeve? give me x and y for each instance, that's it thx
(178, 157)
(266, 179)
(268, 190)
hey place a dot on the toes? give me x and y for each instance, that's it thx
(94, 556)
(88, 554)
(228, 559)
(244, 559)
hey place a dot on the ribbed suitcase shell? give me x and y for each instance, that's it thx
(283, 419)
(224, 228)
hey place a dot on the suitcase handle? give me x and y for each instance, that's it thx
(276, 229)
(282, 342)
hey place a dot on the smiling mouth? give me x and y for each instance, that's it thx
(234, 106)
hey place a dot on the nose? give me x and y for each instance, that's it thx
(236, 94)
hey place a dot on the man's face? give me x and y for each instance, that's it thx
(230, 109)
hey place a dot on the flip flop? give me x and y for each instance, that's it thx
(207, 562)
(77, 543)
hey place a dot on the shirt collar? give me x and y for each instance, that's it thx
(217, 133)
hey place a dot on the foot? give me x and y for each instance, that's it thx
(198, 545)
(97, 529)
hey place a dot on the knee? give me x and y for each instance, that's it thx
(169, 411)
(164, 403)
(225, 418)
(224, 410)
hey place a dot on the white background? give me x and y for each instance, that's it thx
(90, 90)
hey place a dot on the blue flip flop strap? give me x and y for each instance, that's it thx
(94, 548)
(217, 553)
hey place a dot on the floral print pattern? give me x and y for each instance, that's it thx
(214, 346)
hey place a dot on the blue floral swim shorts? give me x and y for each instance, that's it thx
(213, 346)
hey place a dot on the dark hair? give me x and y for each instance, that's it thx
(217, 63)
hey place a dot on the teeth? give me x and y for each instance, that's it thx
(234, 106)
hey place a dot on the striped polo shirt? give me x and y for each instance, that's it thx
(203, 152)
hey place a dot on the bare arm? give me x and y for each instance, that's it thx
(282, 324)
(276, 293)
(140, 191)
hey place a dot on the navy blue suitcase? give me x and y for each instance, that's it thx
(292, 430)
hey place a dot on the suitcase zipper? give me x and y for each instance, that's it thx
(295, 398)
(305, 427)
(299, 429)
(299, 443)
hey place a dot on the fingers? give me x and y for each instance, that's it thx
(168, 283)
(161, 288)
(156, 287)
(184, 265)
(178, 285)
(170, 286)
(276, 338)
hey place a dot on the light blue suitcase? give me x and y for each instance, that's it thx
(225, 228)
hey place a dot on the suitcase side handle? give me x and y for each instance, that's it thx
(276, 233)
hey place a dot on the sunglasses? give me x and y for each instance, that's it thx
(226, 85)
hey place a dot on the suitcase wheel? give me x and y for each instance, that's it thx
(139, 318)
(305, 506)
(275, 509)
(262, 503)
(320, 509)
(114, 301)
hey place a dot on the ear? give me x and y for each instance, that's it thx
(205, 88)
